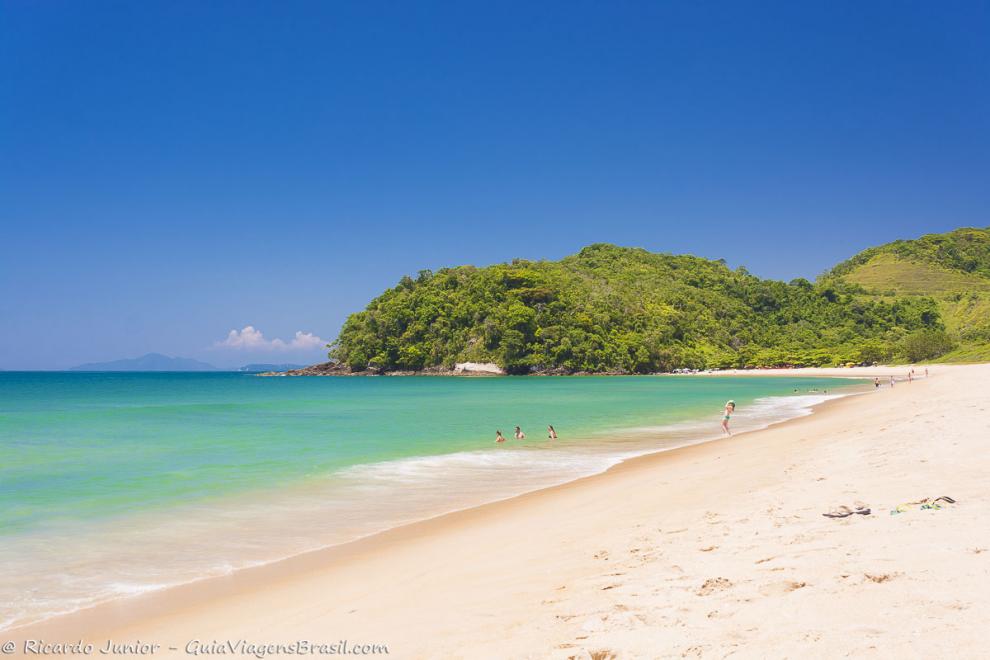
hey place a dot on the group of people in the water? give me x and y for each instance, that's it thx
(519, 435)
(730, 407)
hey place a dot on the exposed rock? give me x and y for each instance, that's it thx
(478, 368)
(322, 369)
(460, 369)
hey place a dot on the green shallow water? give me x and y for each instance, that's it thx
(113, 484)
(96, 444)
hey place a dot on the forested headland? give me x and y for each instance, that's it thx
(610, 309)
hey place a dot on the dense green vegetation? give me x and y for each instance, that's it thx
(613, 309)
(951, 268)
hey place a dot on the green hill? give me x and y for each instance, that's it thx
(626, 310)
(951, 268)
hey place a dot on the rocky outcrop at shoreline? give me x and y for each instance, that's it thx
(337, 369)
(460, 369)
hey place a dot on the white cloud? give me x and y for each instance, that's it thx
(252, 339)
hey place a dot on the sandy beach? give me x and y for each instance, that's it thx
(707, 551)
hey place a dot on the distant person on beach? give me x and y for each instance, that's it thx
(499, 437)
(911, 376)
(891, 381)
(519, 434)
(926, 372)
(876, 382)
(730, 407)
(551, 433)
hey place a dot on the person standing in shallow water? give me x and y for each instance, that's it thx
(499, 437)
(519, 434)
(551, 433)
(730, 407)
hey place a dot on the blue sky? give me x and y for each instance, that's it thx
(172, 171)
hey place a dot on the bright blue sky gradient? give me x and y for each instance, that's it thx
(170, 171)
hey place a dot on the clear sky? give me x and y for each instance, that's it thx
(172, 171)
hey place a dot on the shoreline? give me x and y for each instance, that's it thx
(684, 439)
(160, 611)
(328, 369)
(653, 454)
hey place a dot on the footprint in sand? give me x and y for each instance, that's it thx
(881, 577)
(957, 605)
(781, 588)
(712, 585)
(709, 548)
(602, 654)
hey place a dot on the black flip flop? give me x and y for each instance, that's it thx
(841, 512)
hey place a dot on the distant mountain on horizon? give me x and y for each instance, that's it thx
(261, 367)
(149, 362)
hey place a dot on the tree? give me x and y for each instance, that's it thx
(926, 345)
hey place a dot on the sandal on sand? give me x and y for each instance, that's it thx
(839, 512)
(934, 504)
(927, 503)
(844, 512)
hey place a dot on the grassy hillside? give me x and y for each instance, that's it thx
(893, 275)
(951, 268)
(964, 250)
(613, 309)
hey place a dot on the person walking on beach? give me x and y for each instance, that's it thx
(499, 437)
(926, 372)
(730, 407)
(551, 434)
(911, 376)
(519, 434)
(876, 383)
(891, 381)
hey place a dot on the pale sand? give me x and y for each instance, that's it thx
(710, 550)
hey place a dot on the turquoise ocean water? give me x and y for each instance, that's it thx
(114, 484)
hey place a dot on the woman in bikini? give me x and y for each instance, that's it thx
(499, 437)
(730, 407)
(551, 433)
